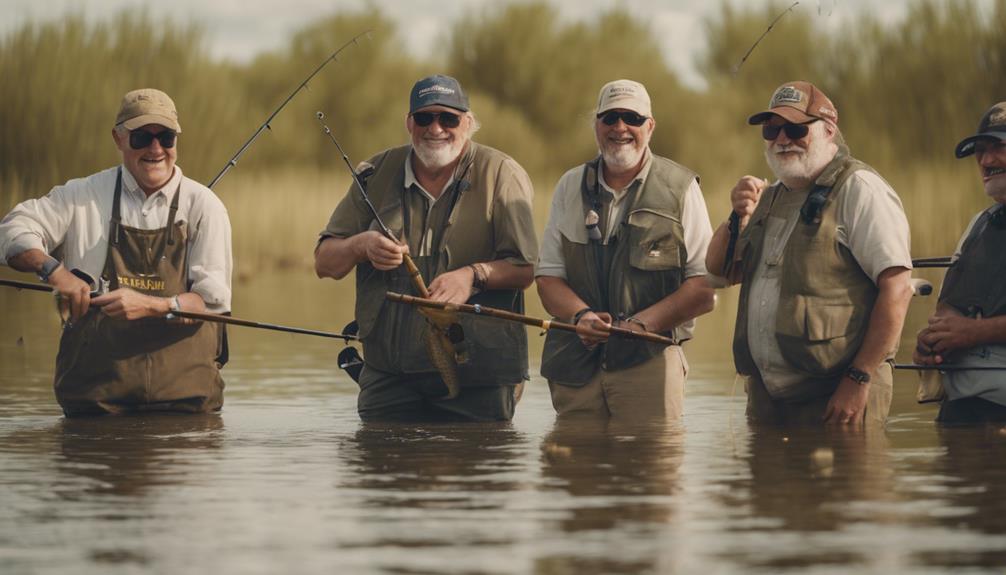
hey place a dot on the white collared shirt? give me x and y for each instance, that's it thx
(76, 217)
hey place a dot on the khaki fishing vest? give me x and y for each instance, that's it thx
(108, 365)
(974, 284)
(495, 352)
(642, 263)
(826, 298)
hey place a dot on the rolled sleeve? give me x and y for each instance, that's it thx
(550, 260)
(210, 260)
(698, 231)
(873, 225)
(36, 224)
(349, 218)
(513, 219)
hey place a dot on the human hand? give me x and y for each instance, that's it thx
(453, 286)
(847, 405)
(947, 333)
(73, 293)
(923, 354)
(593, 328)
(745, 195)
(383, 253)
(127, 304)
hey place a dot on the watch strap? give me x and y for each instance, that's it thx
(49, 266)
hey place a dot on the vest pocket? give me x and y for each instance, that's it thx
(818, 335)
(655, 240)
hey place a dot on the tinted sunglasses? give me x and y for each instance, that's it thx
(793, 131)
(139, 139)
(633, 119)
(446, 119)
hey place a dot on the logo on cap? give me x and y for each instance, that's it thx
(997, 117)
(786, 95)
(435, 88)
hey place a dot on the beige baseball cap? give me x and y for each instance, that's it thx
(147, 106)
(624, 94)
(798, 102)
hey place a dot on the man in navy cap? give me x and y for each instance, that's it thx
(463, 213)
(968, 328)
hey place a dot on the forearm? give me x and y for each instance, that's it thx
(336, 257)
(558, 298)
(501, 274)
(716, 255)
(28, 260)
(886, 320)
(694, 298)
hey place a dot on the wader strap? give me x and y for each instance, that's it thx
(116, 218)
(172, 210)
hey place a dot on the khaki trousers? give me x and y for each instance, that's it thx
(762, 408)
(655, 388)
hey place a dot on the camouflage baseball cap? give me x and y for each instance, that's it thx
(798, 102)
(147, 106)
(992, 127)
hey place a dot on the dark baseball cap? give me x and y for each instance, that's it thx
(438, 90)
(992, 127)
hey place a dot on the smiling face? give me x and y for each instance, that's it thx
(436, 146)
(622, 146)
(799, 162)
(151, 166)
(991, 157)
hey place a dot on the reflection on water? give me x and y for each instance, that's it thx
(286, 478)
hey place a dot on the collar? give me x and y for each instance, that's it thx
(640, 177)
(130, 185)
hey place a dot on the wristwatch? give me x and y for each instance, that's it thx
(857, 375)
(50, 265)
(174, 305)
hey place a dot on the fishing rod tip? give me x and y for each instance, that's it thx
(320, 115)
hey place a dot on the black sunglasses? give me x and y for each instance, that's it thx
(139, 139)
(793, 131)
(446, 119)
(633, 119)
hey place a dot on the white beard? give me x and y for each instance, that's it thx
(622, 157)
(805, 165)
(436, 157)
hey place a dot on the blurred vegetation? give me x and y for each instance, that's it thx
(906, 94)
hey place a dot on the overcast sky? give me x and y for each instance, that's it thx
(239, 29)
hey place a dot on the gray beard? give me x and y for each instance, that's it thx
(624, 158)
(437, 157)
(804, 167)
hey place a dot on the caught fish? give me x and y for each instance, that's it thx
(442, 333)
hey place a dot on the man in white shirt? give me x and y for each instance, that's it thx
(823, 259)
(160, 242)
(624, 245)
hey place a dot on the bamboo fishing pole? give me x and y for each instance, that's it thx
(545, 324)
(950, 367)
(204, 316)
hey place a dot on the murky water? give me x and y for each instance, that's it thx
(287, 480)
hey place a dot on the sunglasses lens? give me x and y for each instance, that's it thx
(139, 139)
(770, 132)
(796, 131)
(630, 118)
(449, 120)
(423, 119)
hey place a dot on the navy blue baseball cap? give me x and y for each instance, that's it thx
(992, 127)
(438, 90)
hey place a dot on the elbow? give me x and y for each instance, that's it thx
(526, 277)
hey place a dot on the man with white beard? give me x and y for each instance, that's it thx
(822, 256)
(624, 246)
(968, 329)
(463, 212)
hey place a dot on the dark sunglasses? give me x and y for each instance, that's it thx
(793, 131)
(139, 139)
(633, 119)
(446, 119)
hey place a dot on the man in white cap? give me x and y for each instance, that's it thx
(968, 329)
(823, 259)
(624, 246)
(160, 242)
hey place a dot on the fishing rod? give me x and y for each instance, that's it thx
(747, 54)
(268, 122)
(417, 278)
(945, 367)
(545, 324)
(201, 316)
(936, 262)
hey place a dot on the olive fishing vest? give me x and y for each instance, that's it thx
(642, 263)
(825, 297)
(974, 284)
(109, 365)
(495, 352)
